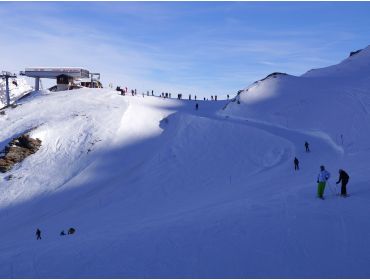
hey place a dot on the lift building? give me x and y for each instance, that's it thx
(66, 77)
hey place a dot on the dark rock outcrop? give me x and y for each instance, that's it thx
(17, 150)
(355, 52)
(274, 75)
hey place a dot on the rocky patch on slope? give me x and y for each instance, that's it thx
(17, 150)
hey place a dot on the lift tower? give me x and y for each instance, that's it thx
(6, 75)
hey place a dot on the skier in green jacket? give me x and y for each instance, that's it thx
(321, 181)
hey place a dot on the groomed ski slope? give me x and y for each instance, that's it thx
(158, 189)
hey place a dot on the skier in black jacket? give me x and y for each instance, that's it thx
(307, 146)
(38, 234)
(343, 177)
(296, 164)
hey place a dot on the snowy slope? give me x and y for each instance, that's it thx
(157, 189)
(333, 100)
(356, 65)
(17, 90)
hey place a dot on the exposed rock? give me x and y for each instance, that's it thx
(355, 52)
(17, 150)
(274, 75)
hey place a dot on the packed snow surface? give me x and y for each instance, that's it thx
(157, 189)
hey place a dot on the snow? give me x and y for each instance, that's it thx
(17, 90)
(157, 189)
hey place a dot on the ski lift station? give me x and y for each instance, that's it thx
(66, 77)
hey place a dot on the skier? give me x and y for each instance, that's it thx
(228, 96)
(343, 177)
(215, 97)
(321, 181)
(38, 234)
(307, 146)
(196, 106)
(189, 96)
(296, 164)
(71, 231)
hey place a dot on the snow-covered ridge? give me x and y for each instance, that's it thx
(321, 100)
(357, 65)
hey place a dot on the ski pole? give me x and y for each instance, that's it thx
(333, 190)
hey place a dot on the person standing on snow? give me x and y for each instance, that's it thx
(196, 106)
(321, 181)
(296, 164)
(307, 146)
(343, 177)
(38, 234)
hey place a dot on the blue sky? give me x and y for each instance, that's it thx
(189, 47)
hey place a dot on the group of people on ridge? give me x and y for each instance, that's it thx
(324, 176)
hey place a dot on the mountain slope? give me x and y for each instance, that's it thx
(157, 189)
(334, 100)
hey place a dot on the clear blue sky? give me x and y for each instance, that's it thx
(190, 47)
